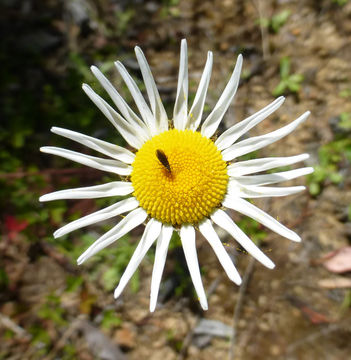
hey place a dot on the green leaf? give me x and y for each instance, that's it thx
(345, 120)
(296, 78)
(110, 320)
(73, 283)
(279, 89)
(4, 280)
(335, 178)
(314, 189)
(135, 282)
(110, 278)
(293, 87)
(279, 20)
(284, 67)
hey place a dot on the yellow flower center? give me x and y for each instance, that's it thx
(179, 177)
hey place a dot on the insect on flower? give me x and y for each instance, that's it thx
(163, 159)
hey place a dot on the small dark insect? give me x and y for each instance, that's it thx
(161, 156)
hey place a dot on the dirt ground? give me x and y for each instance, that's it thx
(296, 311)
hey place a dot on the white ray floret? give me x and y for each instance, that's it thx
(122, 106)
(211, 236)
(151, 233)
(114, 188)
(226, 223)
(113, 210)
(131, 221)
(159, 112)
(187, 236)
(263, 164)
(114, 166)
(244, 207)
(229, 137)
(111, 150)
(135, 137)
(258, 142)
(160, 260)
(251, 191)
(268, 179)
(246, 178)
(139, 100)
(180, 112)
(195, 113)
(210, 125)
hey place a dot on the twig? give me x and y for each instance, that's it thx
(263, 29)
(312, 337)
(73, 327)
(9, 324)
(238, 306)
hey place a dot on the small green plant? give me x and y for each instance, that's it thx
(330, 157)
(345, 121)
(346, 304)
(110, 320)
(340, 2)
(124, 19)
(170, 8)
(276, 21)
(40, 339)
(288, 82)
(345, 93)
(52, 310)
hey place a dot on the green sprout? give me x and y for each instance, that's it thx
(330, 156)
(345, 121)
(340, 2)
(345, 93)
(276, 21)
(288, 82)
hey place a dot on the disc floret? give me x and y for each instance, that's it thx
(179, 177)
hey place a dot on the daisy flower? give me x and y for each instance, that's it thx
(180, 177)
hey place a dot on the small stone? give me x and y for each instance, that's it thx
(125, 337)
(275, 350)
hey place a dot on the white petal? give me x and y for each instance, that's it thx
(252, 144)
(114, 188)
(251, 191)
(139, 100)
(180, 112)
(111, 150)
(258, 165)
(195, 113)
(160, 259)
(211, 236)
(131, 221)
(158, 110)
(235, 132)
(114, 166)
(248, 209)
(210, 125)
(135, 137)
(187, 236)
(122, 106)
(278, 177)
(101, 215)
(151, 232)
(226, 223)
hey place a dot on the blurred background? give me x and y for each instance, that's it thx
(52, 309)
